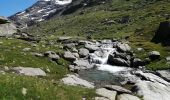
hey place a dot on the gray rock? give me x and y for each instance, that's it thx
(117, 61)
(69, 46)
(69, 56)
(153, 55)
(111, 95)
(29, 71)
(127, 97)
(52, 55)
(83, 52)
(26, 49)
(38, 54)
(83, 64)
(152, 90)
(75, 81)
(91, 47)
(100, 98)
(138, 62)
(122, 55)
(167, 58)
(165, 74)
(129, 78)
(151, 77)
(123, 47)
(63, 38)
(7, 29)
(118, 89)
(140, 49)
(106, 41)
(76, 55)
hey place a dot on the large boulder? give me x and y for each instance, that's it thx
(111, 95)
(82, 64)
(52, 55)
(70, 56)
(152, 90)
(29, 71)
(165, 74)
(153, 55)
(118, 89)
(138, 62)
(127, 97)
(6, 27)
(151, 77)
(91, 47)
(117, 61)
(163, 33)
(76, 81)
(3, 20)
(123, 47)
(83, 52)
(69, 46)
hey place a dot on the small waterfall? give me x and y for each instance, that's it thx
(100, 58)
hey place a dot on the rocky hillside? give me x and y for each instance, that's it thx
(41, 10)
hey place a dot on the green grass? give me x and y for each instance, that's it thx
(148, 47)
(39, 89)
(12, 55)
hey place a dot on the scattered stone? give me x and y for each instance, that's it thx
(29, 71)
(83, 52)
(153, 55)
(64, 38)
(165, 74)
(118, 89)
(75, 80)
(152, 90)
(69, 56)
(140, 49)
(123, 47)
(38, 54)
(127, 97)
(167, 58)
(111, 95)
(26, 49)
(52, 55)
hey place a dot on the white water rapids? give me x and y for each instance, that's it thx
(101, 61)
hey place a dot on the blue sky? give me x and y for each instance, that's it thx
(9, 7)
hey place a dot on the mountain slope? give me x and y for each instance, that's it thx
(117, 18)
(41, 10)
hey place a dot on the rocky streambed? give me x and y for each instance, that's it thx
(110, 67)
